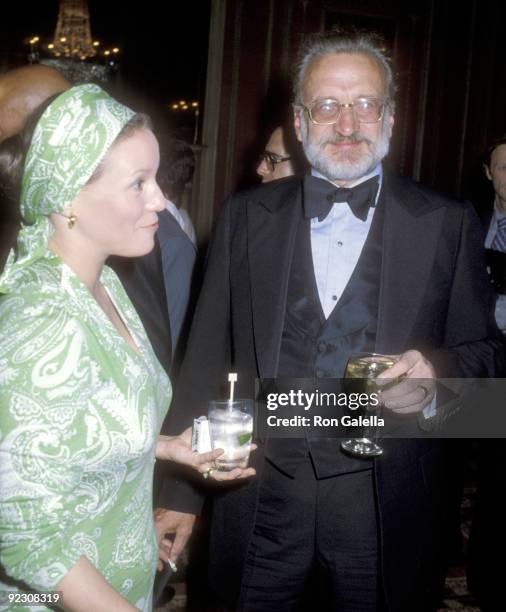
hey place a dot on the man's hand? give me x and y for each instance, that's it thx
(416, 388)
(179, 523)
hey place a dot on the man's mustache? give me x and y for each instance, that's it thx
(353, 139)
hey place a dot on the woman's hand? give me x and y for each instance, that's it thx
(171, 522)
(178, 449)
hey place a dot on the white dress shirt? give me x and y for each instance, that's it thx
(492, 229)
(183, 218)
(500, 305)
(336, 245)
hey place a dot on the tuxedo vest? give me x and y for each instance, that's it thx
(316, 348)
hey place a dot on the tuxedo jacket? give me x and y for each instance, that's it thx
(434, 297)
(143, 280)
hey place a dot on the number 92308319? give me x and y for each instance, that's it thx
(32, 599)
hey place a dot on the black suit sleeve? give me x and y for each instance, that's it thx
(206, 364)
(474, 345)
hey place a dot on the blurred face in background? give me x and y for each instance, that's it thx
(496, 172)
(275, 160)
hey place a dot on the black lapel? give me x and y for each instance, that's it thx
(413, 224)
(272, 225)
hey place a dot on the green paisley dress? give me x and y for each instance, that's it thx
(80, 412)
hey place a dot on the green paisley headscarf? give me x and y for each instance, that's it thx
(69, 141)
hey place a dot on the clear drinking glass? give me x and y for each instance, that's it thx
(231, 428)
(362, 370)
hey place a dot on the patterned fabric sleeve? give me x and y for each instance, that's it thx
(51, 432)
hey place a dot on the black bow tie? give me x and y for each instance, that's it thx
(320, 195)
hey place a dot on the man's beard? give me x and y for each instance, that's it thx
(345, 169)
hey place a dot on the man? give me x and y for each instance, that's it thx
(487, 539)
(21, 91)
(178, 249)
(495, 224)
(299, 277)
(176, 234)
(275, 161)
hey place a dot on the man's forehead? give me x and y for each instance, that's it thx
(276, 144)
(499, 154)
(346, 70)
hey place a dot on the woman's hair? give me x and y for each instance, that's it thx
(13, 154)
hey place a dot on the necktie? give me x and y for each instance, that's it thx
(499, 241)
(320, 195)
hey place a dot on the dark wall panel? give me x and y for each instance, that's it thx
(449, 60)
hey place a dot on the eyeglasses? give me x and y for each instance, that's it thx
(328, 111)
(273, 159)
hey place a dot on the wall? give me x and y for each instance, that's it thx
(450, 67)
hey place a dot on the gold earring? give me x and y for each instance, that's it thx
(71, 220)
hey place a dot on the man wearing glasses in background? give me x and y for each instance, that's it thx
(302, 273)
(275, 161)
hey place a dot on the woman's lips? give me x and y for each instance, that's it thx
(154, 226)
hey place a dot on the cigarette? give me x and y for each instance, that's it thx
(173, 566)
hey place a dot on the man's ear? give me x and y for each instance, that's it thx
(297, 110)
(487, 172)
(391, 121)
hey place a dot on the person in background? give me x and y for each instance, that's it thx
(495, 226)
(21, 91)
(83, 395)
(487, 539)
(177, 167)
(176, 234)
(178, 250)
(275, 160)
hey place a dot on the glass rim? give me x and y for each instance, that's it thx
(226, 402)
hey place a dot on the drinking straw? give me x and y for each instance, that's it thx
(232, 379)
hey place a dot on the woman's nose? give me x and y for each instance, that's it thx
(157, 199)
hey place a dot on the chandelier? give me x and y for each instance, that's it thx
(72, 37)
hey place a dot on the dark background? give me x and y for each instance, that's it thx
(163, 46)
(449, 58)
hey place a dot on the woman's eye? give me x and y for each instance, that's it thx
(139, 183)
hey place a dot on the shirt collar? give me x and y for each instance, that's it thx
(497, 213)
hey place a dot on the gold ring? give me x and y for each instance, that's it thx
(427, 392)
(208, 473)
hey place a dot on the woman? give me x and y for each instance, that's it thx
(82, 396)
